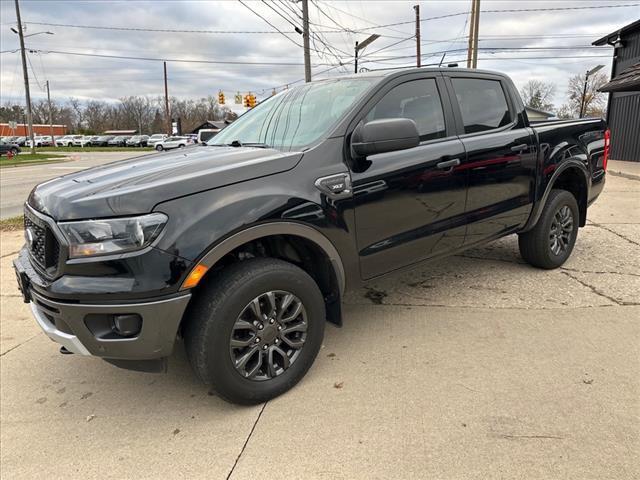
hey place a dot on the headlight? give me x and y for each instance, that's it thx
(118, 235)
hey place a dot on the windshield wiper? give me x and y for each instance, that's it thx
(238, 143)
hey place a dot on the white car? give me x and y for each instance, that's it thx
(82, 140)
(172, 142)
(40, 141)
(155, 138)
(67, 140)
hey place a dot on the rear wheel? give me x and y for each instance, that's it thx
(159, 148)
(550, 243)
(255, 329)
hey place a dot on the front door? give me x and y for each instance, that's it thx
(409, 204)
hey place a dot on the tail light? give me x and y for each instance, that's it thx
(607, 143)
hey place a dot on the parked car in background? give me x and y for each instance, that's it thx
(138, 141)
(191, 137)
(20, 141)
(6, 147)
(67, 140)
(40, 141)
(82, 140)
(171, 143)
(155, 138)
(206, 134)
(119, 141)
(101, 141)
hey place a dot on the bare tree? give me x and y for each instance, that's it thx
(538, 94)
(595, 102)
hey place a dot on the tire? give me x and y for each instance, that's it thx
(14, 151)
(537, 246)
(159, 148)
(220, 305)
(181, 146)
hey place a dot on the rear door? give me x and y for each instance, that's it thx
(500, 154)
(409, 204)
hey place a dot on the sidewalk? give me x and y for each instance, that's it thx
(624, 169)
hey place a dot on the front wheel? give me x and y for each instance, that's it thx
(550, 243)
(255, 329)
(14, 151)
(159, 148)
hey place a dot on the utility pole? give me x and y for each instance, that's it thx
(583, 101)
(167, 113)
(356, 58)
(27, 94)
(476, 30)
(53, 138)
(305, 40)
(472, 30)
(417, 9)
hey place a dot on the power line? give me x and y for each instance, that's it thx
(177, 60)
(269, 23)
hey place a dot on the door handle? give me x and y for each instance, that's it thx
(520, 148)
(454, 162)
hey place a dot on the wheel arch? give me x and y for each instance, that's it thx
(314, 252)
(572, 176)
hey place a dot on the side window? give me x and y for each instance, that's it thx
(418, 100)
(482, 103)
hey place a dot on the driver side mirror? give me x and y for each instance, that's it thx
(384, 135)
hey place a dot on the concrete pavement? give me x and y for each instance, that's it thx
(17, 182)
(477, 366)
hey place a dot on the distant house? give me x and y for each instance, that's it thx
(536, 115)
(623, 108)
(212, 124)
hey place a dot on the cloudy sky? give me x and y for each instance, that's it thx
(203, 39)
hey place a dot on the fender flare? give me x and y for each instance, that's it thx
(255, 232)
(537, 210)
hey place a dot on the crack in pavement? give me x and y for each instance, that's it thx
(19, 345)
(599, 272)
(472, 307)
(8, 254)
(599, 225)
(598, 292)
(247, 440)
(628, 176)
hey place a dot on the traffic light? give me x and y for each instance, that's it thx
(249, 100)
(221, 97)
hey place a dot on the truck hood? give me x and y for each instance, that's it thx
(136, 185)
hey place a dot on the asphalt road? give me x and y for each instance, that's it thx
(17, 182)
(477, 366)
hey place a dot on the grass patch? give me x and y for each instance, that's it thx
(93, 149)
(12, 224)
(30, 159)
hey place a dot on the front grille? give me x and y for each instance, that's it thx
(41, 242)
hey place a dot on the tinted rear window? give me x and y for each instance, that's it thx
(482, 103)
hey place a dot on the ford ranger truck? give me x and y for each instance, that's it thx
(244, 247)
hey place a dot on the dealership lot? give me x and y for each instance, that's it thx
(475, 366)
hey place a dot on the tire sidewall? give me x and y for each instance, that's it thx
(220, 371)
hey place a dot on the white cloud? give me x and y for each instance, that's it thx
(108, 78)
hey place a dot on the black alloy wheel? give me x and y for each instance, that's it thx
(561, 230)
(268, 335)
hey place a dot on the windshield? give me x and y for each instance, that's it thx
(295, 118)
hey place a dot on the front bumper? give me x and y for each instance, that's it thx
(84, 328)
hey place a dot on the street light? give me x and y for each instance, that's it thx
(362, 46)
(584, 90)
(15, 30)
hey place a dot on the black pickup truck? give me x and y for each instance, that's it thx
(244, 247)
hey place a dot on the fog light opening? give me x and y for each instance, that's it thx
(127, 325)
